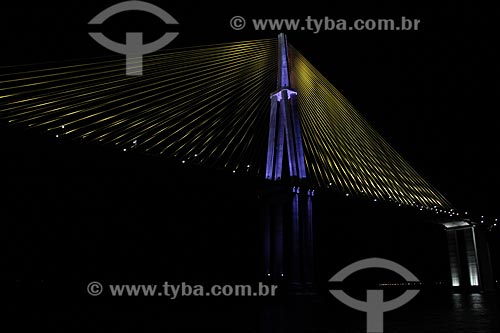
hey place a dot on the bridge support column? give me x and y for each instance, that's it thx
(273, 238)
(454, 258)
(301, 265)
(487, 281)
(469, 258)
(288, 239)
(288, 214)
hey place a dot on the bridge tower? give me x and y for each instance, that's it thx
(288, 235)
(469, 256)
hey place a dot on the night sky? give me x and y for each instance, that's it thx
(430, 93)
(79, 212)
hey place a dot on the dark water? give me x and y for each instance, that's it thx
(461, 313)
(428, 312)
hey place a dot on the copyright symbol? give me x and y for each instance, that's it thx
(237, 22)
(94, 288)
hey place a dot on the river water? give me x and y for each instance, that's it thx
(440, 313)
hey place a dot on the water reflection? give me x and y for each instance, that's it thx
(441, 313)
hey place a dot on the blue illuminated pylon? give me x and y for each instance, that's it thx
(284, 124)
(287, 213)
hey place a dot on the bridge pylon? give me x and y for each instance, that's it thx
(469, 256)
(288, 234)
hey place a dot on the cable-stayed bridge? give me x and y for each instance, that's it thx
(256, 107)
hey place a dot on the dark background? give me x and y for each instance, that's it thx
(74, 213)
(430, 93)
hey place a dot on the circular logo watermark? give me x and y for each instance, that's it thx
(134, 48)
(374, 305)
